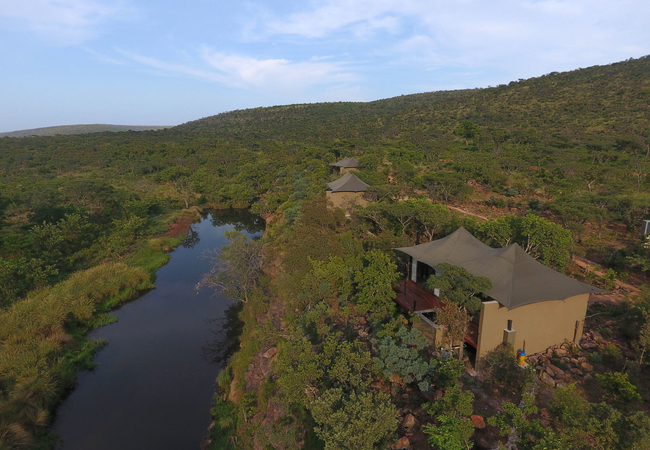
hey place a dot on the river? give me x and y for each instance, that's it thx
(154, 382)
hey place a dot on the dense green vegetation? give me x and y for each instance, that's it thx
(557, 160)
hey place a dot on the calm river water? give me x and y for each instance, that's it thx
(153, 386)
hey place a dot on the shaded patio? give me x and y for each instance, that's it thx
(413, 298)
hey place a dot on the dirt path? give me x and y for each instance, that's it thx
(618, 294)
(464, 211)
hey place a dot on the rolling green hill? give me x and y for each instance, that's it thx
(77, 129)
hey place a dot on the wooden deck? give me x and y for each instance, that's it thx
(413, 298)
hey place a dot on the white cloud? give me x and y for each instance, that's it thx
(246, 71)
(472, 33)
(64, 21)
(279, 76)
(361, 16)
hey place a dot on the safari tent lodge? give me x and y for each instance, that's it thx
(530, 305)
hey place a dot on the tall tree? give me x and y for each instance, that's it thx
(459, 286)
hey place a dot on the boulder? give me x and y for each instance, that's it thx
(486, 443)
(562, 352)
(554, 370)
(587, 367)
(588, 344)
(270, 353)
(478, 421)
(547, 379)
(409, 421)
(403, 442)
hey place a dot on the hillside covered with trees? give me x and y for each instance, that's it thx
(557, 163)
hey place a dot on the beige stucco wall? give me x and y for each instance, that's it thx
(540, 325)
(338, 198)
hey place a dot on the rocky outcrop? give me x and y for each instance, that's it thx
(572, 358)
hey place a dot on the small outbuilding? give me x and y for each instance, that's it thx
(530, 305)
(345, 164)
(348, 188)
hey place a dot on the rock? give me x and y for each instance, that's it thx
(273, 412)
(595, 335)
(565, 360)
(361, 320)
(628, 354)
(409, 421)
(554, 370)
(588, 377)
(546, 378)
(494, 404)
(363, 334)
(478, 421)
(533, 359)
(403, 442)
(235, 394)
(587, 367)
(562, 352)
(270, 353)
(486, 443)
(574, 361)
(588, 344)
(576, 371)
(560, 384)
(545, 413)
(539, 368)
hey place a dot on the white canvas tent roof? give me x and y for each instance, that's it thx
(517, 278)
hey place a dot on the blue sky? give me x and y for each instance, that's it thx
(142, 62)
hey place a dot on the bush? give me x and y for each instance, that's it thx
(400, 357)
(497, 202)
(455, 428)
(354, 422)
(611, 354)
(618, 389)
(503, 369)
(534, 204)
(610, 279)
(448, 372)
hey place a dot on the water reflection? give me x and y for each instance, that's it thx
(226, 331)
(191, 239)
(239, 219)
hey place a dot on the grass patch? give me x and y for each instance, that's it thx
(43, 344)
(153, 253)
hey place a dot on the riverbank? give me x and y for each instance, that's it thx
(44, 337)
